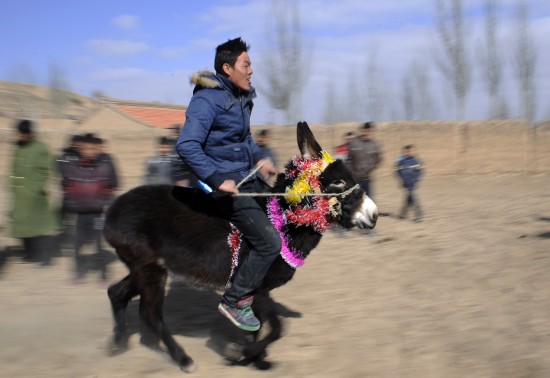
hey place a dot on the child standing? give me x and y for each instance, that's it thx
(409, 169)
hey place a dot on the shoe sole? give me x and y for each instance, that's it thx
(225, 313)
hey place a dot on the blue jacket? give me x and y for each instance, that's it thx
(410, 171)
(215, 140)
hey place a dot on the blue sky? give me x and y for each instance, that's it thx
(141, 50)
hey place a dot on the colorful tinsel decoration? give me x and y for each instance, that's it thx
(315, 215)
(234, 241)
(306, 176)
(275, 213)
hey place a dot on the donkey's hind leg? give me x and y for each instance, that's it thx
(120, 295)
(151, 283)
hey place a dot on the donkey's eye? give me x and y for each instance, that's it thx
(339, 183)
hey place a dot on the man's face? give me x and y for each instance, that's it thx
(89, 151)
(23, 137)
(241, 73)
(366, 134)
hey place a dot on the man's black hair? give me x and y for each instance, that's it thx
(76, 138)
(228, 52)
(24, 126)
(90, 138)
(263, 133)
(367, 125)
(349, 133)
(408, 147)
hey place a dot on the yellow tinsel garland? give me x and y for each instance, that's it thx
(302, 184)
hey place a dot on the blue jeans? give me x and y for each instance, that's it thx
(256, 229)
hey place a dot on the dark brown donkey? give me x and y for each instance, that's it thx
(161, 229)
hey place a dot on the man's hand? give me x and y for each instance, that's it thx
(229, 186)
(268, 169)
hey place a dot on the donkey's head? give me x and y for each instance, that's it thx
(318, 173)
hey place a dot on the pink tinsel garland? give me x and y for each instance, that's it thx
(277, 217)
(314, 216)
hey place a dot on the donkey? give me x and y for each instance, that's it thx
(159, 229)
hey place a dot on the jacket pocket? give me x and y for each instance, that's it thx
(232, 158)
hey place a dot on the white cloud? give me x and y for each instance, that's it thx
(117, 47)
(126, 22)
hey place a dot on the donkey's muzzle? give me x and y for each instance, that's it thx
(367, 214)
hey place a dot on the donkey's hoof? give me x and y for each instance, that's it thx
(189, 366)
(262, 364)
(234, 351)
(115, 348)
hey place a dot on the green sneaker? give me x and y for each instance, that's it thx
(241, 315)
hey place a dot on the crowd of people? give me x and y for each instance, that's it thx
(89, 181)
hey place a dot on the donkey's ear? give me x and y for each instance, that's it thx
(307, 144)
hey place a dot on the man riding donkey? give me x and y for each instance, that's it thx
(217, 145)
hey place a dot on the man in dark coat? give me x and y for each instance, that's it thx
(364, 156)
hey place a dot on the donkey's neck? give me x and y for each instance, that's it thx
(298, 239)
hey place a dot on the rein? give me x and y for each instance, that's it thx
(343, 194)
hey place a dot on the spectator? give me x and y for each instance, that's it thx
(409, 169)
(364, 156)
(341, 151)
(68, 219)
(159, 168)
(89, 184)
(32, 219)
(262, 139)
(181, 173)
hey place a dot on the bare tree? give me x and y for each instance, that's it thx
(59, 96)
(407, 95)
(377, 97)
(354, 109)
(491, 60)
(284, 59)
(525, 61)
(416, 94)
(332, 113)
(451, 56)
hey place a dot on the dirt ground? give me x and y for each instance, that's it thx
(463, 294)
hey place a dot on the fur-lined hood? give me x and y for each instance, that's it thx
(208, 79)
(205, 79)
